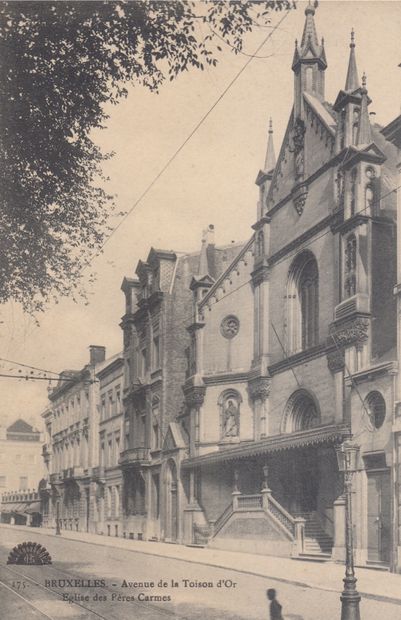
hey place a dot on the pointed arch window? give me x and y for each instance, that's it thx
(303, 303)
(369, 199)
(301, 413)
(155, 440)
(355, 125)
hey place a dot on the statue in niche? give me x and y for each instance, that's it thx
(231, 418)
(298, 139)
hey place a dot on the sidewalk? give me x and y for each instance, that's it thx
(380, 585)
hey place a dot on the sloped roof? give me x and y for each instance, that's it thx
(20, 426)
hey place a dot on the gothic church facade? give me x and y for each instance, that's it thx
(295, 342)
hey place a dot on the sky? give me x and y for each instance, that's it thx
(211, 181)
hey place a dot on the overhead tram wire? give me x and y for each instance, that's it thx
(52, 372)
(187, 139)
(294, 252)
(190, 317)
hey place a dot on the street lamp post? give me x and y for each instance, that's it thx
(347, 457)
(58, 531)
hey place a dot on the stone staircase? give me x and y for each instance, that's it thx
(317, 543)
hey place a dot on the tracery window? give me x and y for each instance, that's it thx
(376, 408)
(303, 303)
(301, 413)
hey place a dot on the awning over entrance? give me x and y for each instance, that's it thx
(20, 508)
(8, 508)
(32, 508)
(330, 434)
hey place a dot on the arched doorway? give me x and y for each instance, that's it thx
(300, 478)
(171, 519)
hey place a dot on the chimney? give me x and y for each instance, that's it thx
(97, 354)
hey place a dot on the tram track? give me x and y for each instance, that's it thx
(38, 585)
(149, 611)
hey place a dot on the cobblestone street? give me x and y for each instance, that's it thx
(131, 584)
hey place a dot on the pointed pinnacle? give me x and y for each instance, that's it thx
(352, 80)
(364, 80)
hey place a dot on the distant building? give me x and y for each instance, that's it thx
(21, 467)
(71, 449)
(108, 475)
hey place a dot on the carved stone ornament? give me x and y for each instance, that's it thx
(229, 327)
(259, 389)
(298, 140)
(335, 360)
(195, 396)
(354, 331)
(299, 196)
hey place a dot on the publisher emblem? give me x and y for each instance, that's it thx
(29, 553)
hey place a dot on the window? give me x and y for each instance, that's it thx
(23, 483)
(376, 408)
(108, 502)
(110, 452)
(343, 116)
(117, 445)
(355, 125)
(155, 443)
(118, 399)
(103, 408)
(303, 303)
(350, 267)
(301, 413)
(156, 352)
(308, 294)
(116, 501)
(143, 361)
(369, 199)
(110, 403)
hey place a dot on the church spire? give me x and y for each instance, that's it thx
(352, 81)
(364, 129)
(309, 33)
(309, 62)
(270, 161)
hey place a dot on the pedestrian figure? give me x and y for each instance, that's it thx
(275, 607)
